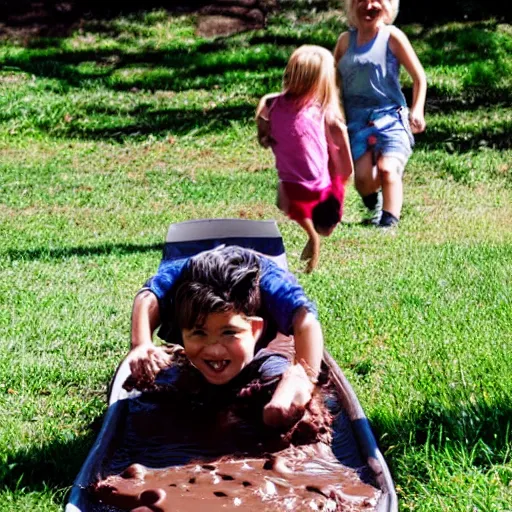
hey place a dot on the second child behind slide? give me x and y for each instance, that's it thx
(304, 127)
(368, 58)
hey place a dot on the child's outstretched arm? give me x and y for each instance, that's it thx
(297, 383)
(146, 359)
(404, 52)
(309, 342)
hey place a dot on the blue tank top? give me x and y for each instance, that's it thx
(369, 78)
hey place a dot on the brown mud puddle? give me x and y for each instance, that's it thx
(298, 479)
(187, 447)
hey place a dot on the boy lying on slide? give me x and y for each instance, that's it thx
(225, 305)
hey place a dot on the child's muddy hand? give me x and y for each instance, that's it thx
(290, 398)
(146, 361)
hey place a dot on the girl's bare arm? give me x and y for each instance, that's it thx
(339, 50)
(263, 132)
(263, 122)
(404, 52)
(340, 156)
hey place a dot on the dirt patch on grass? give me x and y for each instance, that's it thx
(224, 18)
(211, 26)
(28, 20)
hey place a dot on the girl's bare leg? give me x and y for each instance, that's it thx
(366, 178)
(313, 242)
(282, 199)
(390, 174)
(368, 184)
(307, 252)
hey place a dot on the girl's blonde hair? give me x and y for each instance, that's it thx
(389, 7)
(310, 75)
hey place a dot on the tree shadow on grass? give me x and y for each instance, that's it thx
(461, 44)
(457, 139)
(446, 139)
(189, 65)
(56, 18)
(440, 11)
(145, 119)
(219, 65)
(54, 465)
(495, 137)
(60, 253)
(165, 121)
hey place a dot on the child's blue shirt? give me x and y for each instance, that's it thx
(281, 294)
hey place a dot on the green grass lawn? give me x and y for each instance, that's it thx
(112, 133)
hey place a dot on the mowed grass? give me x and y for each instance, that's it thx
(125, 126)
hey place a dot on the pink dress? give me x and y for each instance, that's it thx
(302, 157)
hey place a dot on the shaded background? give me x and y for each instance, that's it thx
(58, 15)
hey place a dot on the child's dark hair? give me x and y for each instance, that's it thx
(217, 281)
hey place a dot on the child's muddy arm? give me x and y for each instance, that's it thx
(296, 386)
(309, 341)
(146, 359)
(290, 398)
(145, 318)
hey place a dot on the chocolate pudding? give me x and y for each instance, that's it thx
(299, 479)
(190, 446)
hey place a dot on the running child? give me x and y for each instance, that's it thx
(380, 126)
(304, 127)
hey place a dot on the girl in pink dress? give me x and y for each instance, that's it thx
(304, 127)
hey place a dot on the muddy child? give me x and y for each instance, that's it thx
(221, 305)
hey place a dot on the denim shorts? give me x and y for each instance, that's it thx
(387, 134)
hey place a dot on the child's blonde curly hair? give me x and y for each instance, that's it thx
(390, 8)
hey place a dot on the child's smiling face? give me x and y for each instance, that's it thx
(223, 345)
(369, 11)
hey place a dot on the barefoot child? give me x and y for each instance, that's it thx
(368, 58)
(304, 127)
(218, 304)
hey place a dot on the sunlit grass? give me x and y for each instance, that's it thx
(109, 135)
